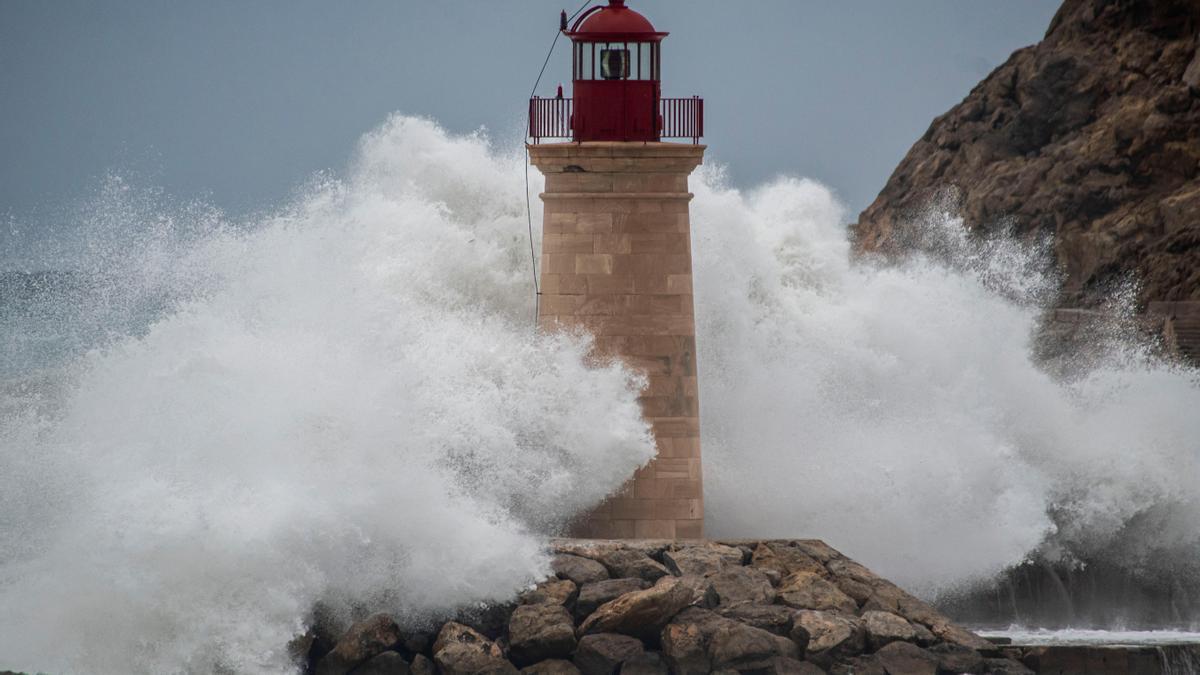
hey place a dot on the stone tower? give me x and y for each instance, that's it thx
(616, 250)
(616, 261)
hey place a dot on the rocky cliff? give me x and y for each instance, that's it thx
(1091, 136)
(660, 607)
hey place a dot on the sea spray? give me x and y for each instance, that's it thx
(345, 402)
(348, 405)
(895, 410)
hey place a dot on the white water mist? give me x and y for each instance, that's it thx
(345, 402)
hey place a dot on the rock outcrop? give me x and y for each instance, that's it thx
(730, 607)
(1091, 137)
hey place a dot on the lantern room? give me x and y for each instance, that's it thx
(616, 62)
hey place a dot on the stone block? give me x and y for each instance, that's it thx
(676, 426)
(567, 243)
(558, 223)
(689, 529)
(671, 468)
(679, 283)
(609, 283)
(660, 242)
(612, 243)
(560, 304)
(639, 221)
(654, 529)
(594, 263)
(678, 488)
(558, 263)
(669, 406)
(564, 284)
(594, 223)
(678, 509)
(634, 509)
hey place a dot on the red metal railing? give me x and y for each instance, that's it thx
(677, 118)
(549, 118)
(681, 118)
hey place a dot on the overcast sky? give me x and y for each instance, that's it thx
(239, 101)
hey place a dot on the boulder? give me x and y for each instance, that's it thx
(771, 618)
(578, 569)
(845, 568)
(925, 637)
(461, 650)
(640, 613)
(859, 665)
(597, 593)
(387, 663)
(417, 640)
(701, 588)
(960, 636)
(954, 658)
(421, 665)
(604, 653)
(364, 640)
(816, 549)
(648, 663)
(857, 590)
(552, 591)
(805, 590)
(784, 559)
(596, 549)
(551, 667)
(831, 636)
(489, 619)
(539, 632)
(701, 641)
(735, 645)
(888, 597)
(685, 641)
(623, 563)
(884, 627)
(742, 584)
(902, 658)
(701, 559)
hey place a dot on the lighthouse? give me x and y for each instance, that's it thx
(616, 250)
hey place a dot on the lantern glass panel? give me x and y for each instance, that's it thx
(614, 61)
(644, 69)
(586, 54)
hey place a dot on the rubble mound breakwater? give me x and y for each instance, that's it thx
(656, 606)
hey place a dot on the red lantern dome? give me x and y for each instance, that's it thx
(616, 64)
(613, 21)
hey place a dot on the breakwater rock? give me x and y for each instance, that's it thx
(646, 607)
(1089, 137)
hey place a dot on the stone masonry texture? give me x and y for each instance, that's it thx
(617, 262)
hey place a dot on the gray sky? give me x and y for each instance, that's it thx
(238, 102)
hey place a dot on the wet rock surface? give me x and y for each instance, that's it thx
(540, 632)
(1090, 137)
(362, 642)
(597, 593)
(661, 607)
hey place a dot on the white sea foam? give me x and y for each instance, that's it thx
(345, 402)
(895, 410)
(348, 405)
(1075, 636)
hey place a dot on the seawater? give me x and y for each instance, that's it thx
(208, 426)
